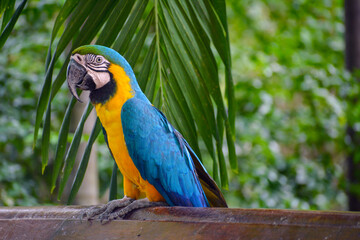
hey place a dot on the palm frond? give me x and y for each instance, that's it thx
(9, 18)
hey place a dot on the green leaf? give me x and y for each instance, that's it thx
(231, 99)
(146, 66)
(84, 162)
(43, 99)
(60, 78)
(150, 89)
(180, 28)
(157, 99)
(220, 8)
(180, 109)
(94, 22)
(213, 21)
(200, 54)
(136, 45)
(215, 175)
(129, 29)
(222, 164)
(231, 146)
(46, 140)
(64, 13)
(113, 183)
(60, 19)
(185, 52)
(211, 81)
(10, 25)
(192, 94)
(6, 6)
(176, 114)
(71, 154)
(61, 145)
(222, 44)
(115, 23)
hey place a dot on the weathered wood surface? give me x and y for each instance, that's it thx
(179, 223)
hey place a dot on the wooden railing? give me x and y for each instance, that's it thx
(64, 222)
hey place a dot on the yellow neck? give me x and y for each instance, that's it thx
(122, 94)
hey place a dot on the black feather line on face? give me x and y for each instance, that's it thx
(103, 94)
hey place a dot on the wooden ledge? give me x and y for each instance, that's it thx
(64, 222)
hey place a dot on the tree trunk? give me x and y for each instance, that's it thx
(352, 59)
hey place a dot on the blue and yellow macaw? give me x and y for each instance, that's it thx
(157, 164)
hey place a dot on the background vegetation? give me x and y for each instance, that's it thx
(293, 100)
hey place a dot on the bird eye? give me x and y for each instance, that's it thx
(98, 60)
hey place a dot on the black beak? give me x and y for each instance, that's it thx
(77, 77)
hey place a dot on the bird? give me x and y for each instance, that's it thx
(158, 165)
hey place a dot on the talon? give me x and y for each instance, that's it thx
(93, 211)
(104, 221)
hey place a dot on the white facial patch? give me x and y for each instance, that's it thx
(99, 76)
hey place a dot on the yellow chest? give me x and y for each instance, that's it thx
(109, 114)
(111, 121)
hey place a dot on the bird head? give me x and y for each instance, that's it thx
(92, 68)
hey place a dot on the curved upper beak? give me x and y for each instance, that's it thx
(75, 77)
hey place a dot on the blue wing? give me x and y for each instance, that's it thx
(160, 154)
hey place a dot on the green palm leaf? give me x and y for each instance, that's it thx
(9, 19)
(178, 72)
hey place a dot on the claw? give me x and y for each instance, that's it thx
(93, 211)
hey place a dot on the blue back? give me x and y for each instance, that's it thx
(160, 154)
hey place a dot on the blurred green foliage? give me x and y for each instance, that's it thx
(21, 74)
(293, 103)
(291, 91)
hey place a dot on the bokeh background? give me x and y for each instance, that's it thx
(294, 102)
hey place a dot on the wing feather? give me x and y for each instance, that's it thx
(160, 154)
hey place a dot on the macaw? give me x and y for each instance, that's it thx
(158, 165)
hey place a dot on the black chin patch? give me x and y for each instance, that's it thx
(87, 83)
(103, 94)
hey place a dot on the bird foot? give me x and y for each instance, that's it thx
(118, 209)
(106, 209)
(137, 204)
